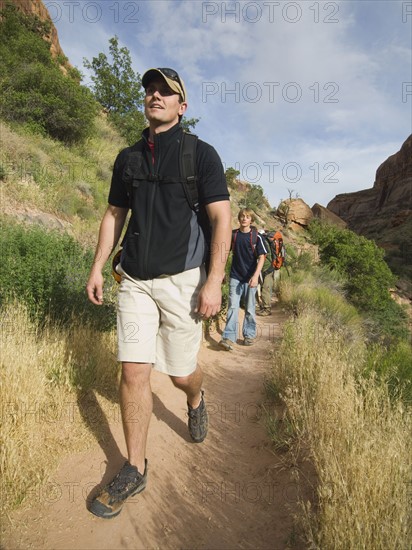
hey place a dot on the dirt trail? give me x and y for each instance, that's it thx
(228, 492)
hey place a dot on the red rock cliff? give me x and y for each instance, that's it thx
(374, 212)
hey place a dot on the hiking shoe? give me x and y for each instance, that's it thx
(127, 483)
(226, 344)
(263, 313)
(198, 421)
(248, 342)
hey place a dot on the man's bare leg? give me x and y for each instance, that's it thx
(191, 385)
(136, 404)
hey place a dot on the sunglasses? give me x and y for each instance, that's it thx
(171, 73)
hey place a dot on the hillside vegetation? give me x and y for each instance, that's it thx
(33, 89)
(39, 174)
(346, 408)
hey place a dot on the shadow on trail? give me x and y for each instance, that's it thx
(94, 372)
(168, 417)
(95, 419)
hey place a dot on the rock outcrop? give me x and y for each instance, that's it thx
(328, 216)
(295, 213)
(384, 212)
(387, 204)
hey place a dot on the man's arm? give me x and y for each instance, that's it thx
(255, 277)
(109, 234)
(210, 296)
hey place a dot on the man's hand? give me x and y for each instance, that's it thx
(109, 234)
(209, 300)
(94, 288)
(254, 281)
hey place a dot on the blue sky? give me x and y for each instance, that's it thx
(307, 96)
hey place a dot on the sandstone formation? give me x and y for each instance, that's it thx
(328, 216)
(389, 202)
(295, 213)
(384, 212)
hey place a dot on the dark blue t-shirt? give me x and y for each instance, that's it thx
(244, 256)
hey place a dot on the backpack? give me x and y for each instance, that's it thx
(277, 251)
(188, 179)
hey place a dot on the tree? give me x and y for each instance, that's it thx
(231, 175)
(115, 85)
(283, 211)
(255, 198)
(118, 88)
(291, 191)
(189, 123)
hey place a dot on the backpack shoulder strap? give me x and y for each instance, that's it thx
(253, 236)
(187, 167)
(133, 167)
(253, 239)
(234, 235)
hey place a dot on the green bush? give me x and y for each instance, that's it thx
(394, 366)
(33, 89)
(300, 262)
(255, 198)
(367, 277)
(231, 174)
(48, 271)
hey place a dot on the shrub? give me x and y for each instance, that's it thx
(298, 261)
(48, 271)
(393, 366)
(33, 89)
(231, 174)
(367, 276)
(255, 199)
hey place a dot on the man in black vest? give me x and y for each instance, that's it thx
(164, 292)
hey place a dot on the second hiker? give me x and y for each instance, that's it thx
(249, 254)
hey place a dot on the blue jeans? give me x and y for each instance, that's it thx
(236, 291)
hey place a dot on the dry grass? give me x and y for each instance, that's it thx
(45, 376)
(359, 441)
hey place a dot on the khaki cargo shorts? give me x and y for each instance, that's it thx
(156, 322)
